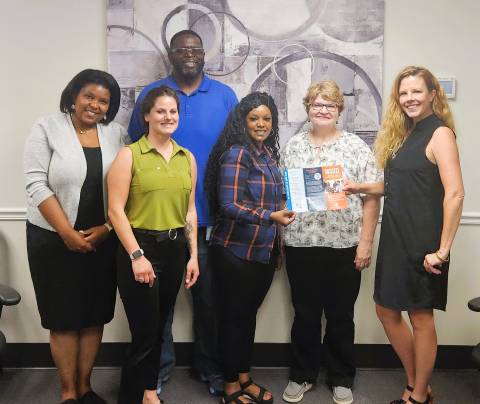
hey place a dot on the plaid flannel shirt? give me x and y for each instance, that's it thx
(249, 190)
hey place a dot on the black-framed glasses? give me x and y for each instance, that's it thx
(319, 107)
(185, 51)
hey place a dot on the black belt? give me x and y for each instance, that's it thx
(170, 234)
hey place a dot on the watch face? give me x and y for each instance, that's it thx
(137, 254)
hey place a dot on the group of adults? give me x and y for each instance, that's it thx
(196, 186)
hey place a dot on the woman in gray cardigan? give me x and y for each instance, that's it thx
(71, 251)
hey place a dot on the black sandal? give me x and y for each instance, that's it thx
(413, 401)
(429, 399)
(258, 399)
(401, 400)
(234, 398)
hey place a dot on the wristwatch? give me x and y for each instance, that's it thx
(136, 254)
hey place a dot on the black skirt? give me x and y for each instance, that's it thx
(73, 290)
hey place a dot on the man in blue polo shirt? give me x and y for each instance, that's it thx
(204, 107)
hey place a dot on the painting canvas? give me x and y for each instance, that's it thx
(277, 46)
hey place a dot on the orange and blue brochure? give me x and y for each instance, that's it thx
(315, 189)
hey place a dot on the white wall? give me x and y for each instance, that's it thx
(44, 43)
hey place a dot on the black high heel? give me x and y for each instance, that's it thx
(428, 400)
(401, 400)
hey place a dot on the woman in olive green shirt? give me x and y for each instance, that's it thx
(151, 188)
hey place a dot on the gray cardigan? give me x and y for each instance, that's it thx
(54, 164)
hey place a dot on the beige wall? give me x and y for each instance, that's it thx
(44, 43)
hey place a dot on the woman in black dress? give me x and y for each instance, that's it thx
(71, 251)
(423, 192)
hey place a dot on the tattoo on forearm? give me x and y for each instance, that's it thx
(188, 232)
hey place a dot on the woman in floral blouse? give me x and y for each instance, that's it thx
(326, 250)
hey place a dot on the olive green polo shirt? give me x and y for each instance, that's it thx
(159, 190)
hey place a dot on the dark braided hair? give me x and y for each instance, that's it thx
(235, 133)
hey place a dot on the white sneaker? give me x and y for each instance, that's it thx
(294, 392)
(342, 395)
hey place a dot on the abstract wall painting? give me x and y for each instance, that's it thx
(278, 46)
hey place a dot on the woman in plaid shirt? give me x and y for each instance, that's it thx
(245, 189)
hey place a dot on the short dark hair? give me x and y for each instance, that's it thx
(151, 97)
(92, 76)
(182, 33)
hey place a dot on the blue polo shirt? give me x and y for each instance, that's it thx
(202, 117)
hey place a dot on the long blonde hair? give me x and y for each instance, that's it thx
(396, 124)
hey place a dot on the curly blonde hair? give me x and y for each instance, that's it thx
(396, 124)
(327, 89)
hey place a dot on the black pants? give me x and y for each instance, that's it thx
(323, 280)
(205, 314)
(147, 310)
(241, 287)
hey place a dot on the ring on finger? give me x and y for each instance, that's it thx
(141, 279)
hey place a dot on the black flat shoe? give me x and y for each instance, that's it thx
(90, 397)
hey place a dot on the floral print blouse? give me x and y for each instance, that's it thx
(334, 228)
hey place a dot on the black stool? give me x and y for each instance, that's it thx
(8, 297)
(474, 305)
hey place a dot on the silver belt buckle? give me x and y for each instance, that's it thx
(172, 234)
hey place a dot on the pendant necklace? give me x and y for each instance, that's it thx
(79, 130)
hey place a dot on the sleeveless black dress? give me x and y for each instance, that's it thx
(75, 290)
(411, 227)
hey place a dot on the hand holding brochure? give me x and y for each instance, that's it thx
(315, 189)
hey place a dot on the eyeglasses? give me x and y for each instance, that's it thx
(184, 51)
(328, 107)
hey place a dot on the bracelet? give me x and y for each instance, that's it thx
(108, 226)
(437, 253)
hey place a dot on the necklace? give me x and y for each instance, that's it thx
(79, 130)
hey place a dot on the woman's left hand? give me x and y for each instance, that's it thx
(363, 255)
(430, 263)
(192, 273)
(96, 235)
(283, 217)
